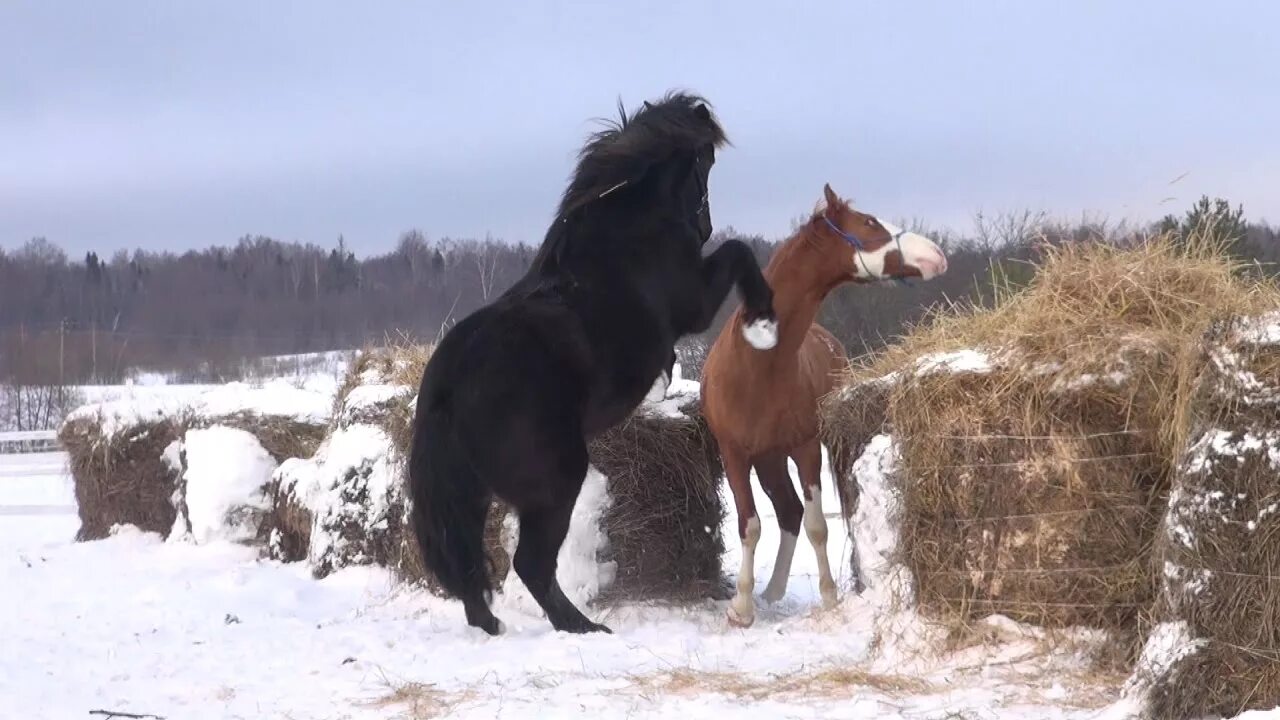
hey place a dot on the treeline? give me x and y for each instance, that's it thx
(199, 314)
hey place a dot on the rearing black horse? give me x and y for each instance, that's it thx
(514, 391)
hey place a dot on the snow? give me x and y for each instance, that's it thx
(274, 399)
(350, 481)
(227, 470)
(119, 408)
(35, 483)
(130, 409)
(1168, 644)
(875, 525)
(211, 630)
(967, 360)
(202, 631)
(363, 397)
(680, 392)
(1261, 330)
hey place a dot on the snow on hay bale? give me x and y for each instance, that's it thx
(347, 504)
(128, 457)
(1217, 647)
(1036, 437)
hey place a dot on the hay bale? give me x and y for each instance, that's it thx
(349, 490)
(1217, 649)
(124, 462)
(1037, 437)
(1026, 499)
(122, 477)
(347, 504)
(663, 525)
(128, 461)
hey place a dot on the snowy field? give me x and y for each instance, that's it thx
(178, 630)
(135, 624)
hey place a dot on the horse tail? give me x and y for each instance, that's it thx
(450, 504)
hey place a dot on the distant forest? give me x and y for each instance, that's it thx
(199, 314)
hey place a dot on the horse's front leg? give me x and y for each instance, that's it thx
(733, 264)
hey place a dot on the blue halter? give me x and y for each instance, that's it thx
(859, 249)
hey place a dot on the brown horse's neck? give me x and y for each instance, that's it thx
(801, 277)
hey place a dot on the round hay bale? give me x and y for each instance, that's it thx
(124, 467)
(1217, 650)
(663, 524)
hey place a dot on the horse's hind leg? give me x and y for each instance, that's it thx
(542, 532)
(476, 602)
(544, 523)
(776, 481)
(809, 462)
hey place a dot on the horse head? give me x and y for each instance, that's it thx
(865, 248)
(665, 148)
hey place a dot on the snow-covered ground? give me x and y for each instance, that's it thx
(180, 630)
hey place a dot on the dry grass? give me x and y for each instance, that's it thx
(827, 683)
(421, 701)
(1036, 488)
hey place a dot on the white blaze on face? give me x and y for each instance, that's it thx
(918, 252)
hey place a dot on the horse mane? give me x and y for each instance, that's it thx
(626, 148)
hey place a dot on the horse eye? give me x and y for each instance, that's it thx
(871, 222)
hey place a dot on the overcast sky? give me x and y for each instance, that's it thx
(171, 125)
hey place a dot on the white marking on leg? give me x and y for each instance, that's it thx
(777, 587)
(815, 526)
(742, 611)
(762, 334)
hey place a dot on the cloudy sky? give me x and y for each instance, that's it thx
(172, 125)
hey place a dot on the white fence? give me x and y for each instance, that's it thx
(28, 441)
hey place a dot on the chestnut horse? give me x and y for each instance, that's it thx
(762, 405)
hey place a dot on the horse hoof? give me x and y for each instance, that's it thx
(772, 596)
(584, 627)
(761, 333)
(737, 620)
(829, 600)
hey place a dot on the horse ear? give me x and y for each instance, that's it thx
(702, 112)
(832, 199)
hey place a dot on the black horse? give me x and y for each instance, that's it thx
(514, 391)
